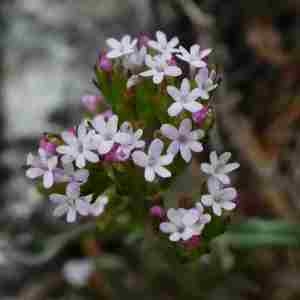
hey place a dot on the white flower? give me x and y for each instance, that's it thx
(135, 60)
(219, 168)
(78, 148)
(154, 162)
(42, 165)
(72, 176)
(71, 203)
(107, 133)
(195, 56)
(184, 140)
(183, 223)
(98, 207)
(119, 48)
(203, 218)
(205, 82)
(133, 140)
(185, 98)
(159, 68)
(133, 80)
(219, 198)
(78, 271)
(163, 45)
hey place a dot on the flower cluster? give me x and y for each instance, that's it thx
(152, 113)
(183, 224)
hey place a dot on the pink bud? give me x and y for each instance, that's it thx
(143, 40)
(172, 61)
(105, 63)
(72, 130)
(111, 155)
(192, 243)
(157, 211)
(200, 116)
(49, 147)
(90, 102)
(117, 154)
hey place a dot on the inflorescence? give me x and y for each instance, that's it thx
(152, 114)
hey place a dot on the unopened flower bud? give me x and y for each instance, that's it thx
(91, 102)
(72, 130)
(157, 211)
(105, 63)
(172, 61)
(192, 243)
(200, 116)
(46, 145)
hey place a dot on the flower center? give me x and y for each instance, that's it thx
(151, 161)
(182, 139)
(80, 148)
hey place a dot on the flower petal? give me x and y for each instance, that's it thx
(173, 71)
(169, 131)
(80, 161)
(158, 77)
(174, 92)
(82, 206)
(33, 173)
(162, 172)
(113, 43)
(217, 209)
(193, 106)
(167, 227)
(229, 168)
(207, 200)
(48, 179)
(185, 126)
(228, 205)
(149, 174)
(60, 210)
(174, 216)
(69, 138)
(156, 148)
(91, 156)
(71, 215)
(185, 87)
(174, 148)
(175, 109)
(185, 153)
(81, 131)
(174, 237)
(81, 175)
(57, 198)
(112, 124)
(191, 217)
(195, 146)
(206, 168)
(105, 147)
(228, 194)
(213, 157)
(140, 158)
(166, 159)
(99, 124)
(194, 95)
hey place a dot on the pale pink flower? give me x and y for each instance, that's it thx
(184, 139)
(185, 98)
(153, 162)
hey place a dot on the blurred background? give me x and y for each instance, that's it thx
(47, 52)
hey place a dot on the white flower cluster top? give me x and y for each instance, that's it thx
(102, 138)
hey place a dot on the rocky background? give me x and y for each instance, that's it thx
(47, 51)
